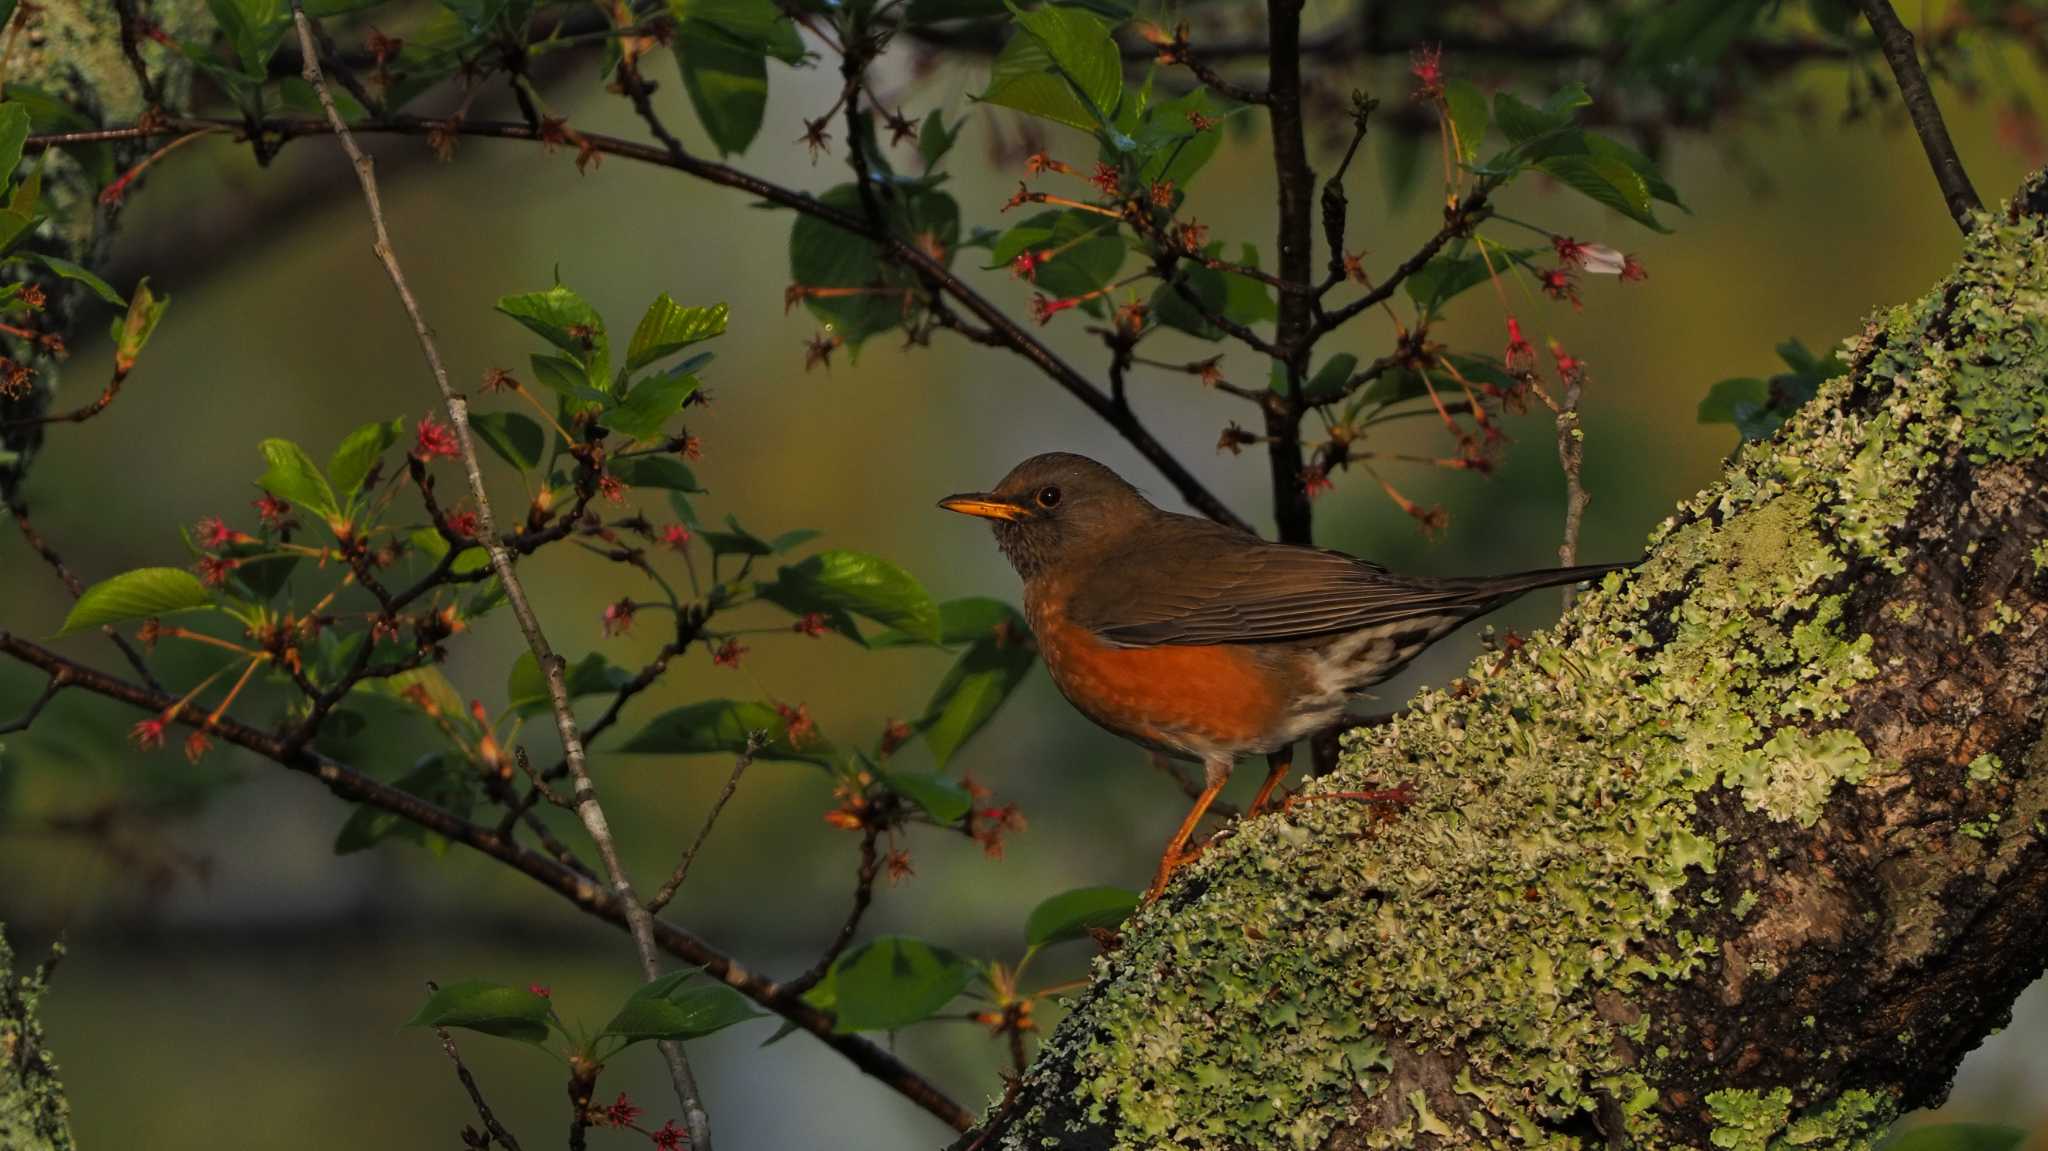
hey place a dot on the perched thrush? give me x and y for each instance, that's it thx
(1203, 641)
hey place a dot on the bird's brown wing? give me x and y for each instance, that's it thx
(1199, 583)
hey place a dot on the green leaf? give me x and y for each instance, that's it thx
(654, 471)
(757, 24)
(727, 84)
(1041, 94)
(722, 725)
(934, 139)
(960, 621)
(1073, 914)
(516, 439)
(1083, 47)
(736, 542)
(357, 454)
(492, 1008)
(1328, 382)
(1087, 251)
(428, 542)
(294, 478)
(673, 1007)
(78, 273)
(137, 594)
(668, 327)
(1605, 178)
(13, 135)
(132, 331)
(526, 690)
(824, 256)
(565, 376)
(891, 982)
(1446, 277)
(975, 688)
(946, 801)
(1956, 1137)
(562, 318)
(860, 584)
(1468, 117)
(1726, 396)
(651, 404)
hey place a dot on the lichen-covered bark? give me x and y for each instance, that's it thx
(33, 1113)
(1747, 852)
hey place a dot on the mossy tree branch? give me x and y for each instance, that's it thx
(1747, 852)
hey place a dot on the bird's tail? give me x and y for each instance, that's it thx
(1498, 590)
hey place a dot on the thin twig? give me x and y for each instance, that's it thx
(1571, 452)
(732, 784)
(19, 510)
(476, 1095)
(863, 894)
(587, 808)
(59, 680)
(1897, 44)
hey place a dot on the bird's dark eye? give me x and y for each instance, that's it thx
(1048, 496)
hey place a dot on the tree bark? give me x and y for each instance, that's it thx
(1747, 852)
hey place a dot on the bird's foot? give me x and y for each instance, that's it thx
(1169, 863)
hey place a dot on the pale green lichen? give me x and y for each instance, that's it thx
(1985, 768)
(1533, 890)
(1753, 1121)
(34, 1115)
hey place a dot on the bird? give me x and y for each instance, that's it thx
(1204, 641)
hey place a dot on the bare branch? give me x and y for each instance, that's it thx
(587, 806)
(1897, 44)
(476, 1096)
(732, 784)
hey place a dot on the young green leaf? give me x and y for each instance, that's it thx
(491, 1008)
(1070, 253)
(723, 725)
(651, 404)
(860, 584)
(934, 138)
(132, 331)
(137, 594)
(673, 1007)
(14, 124)
(357, 454)
(564, 319)
(78, 274)
(946, 801)
(1073, 914)
(668, 327)
(1467, 106)
(1082, 46)
(293, 477)
(960, 621)
(975, 688)
(891, 982)
(515, 438)
(652, 471)
(727, 84)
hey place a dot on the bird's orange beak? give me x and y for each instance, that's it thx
(985, 505)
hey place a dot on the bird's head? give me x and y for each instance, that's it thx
(1055, 508)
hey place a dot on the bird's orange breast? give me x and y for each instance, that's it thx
(1197, 700)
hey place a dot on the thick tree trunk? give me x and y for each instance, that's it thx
(1748, 852)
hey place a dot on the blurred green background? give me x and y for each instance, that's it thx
(256, 997)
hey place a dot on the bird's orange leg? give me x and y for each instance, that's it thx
(1278, 765)
(1216, 774)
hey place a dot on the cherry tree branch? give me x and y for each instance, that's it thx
(999, 326)
(592, 898)
(587, 807)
